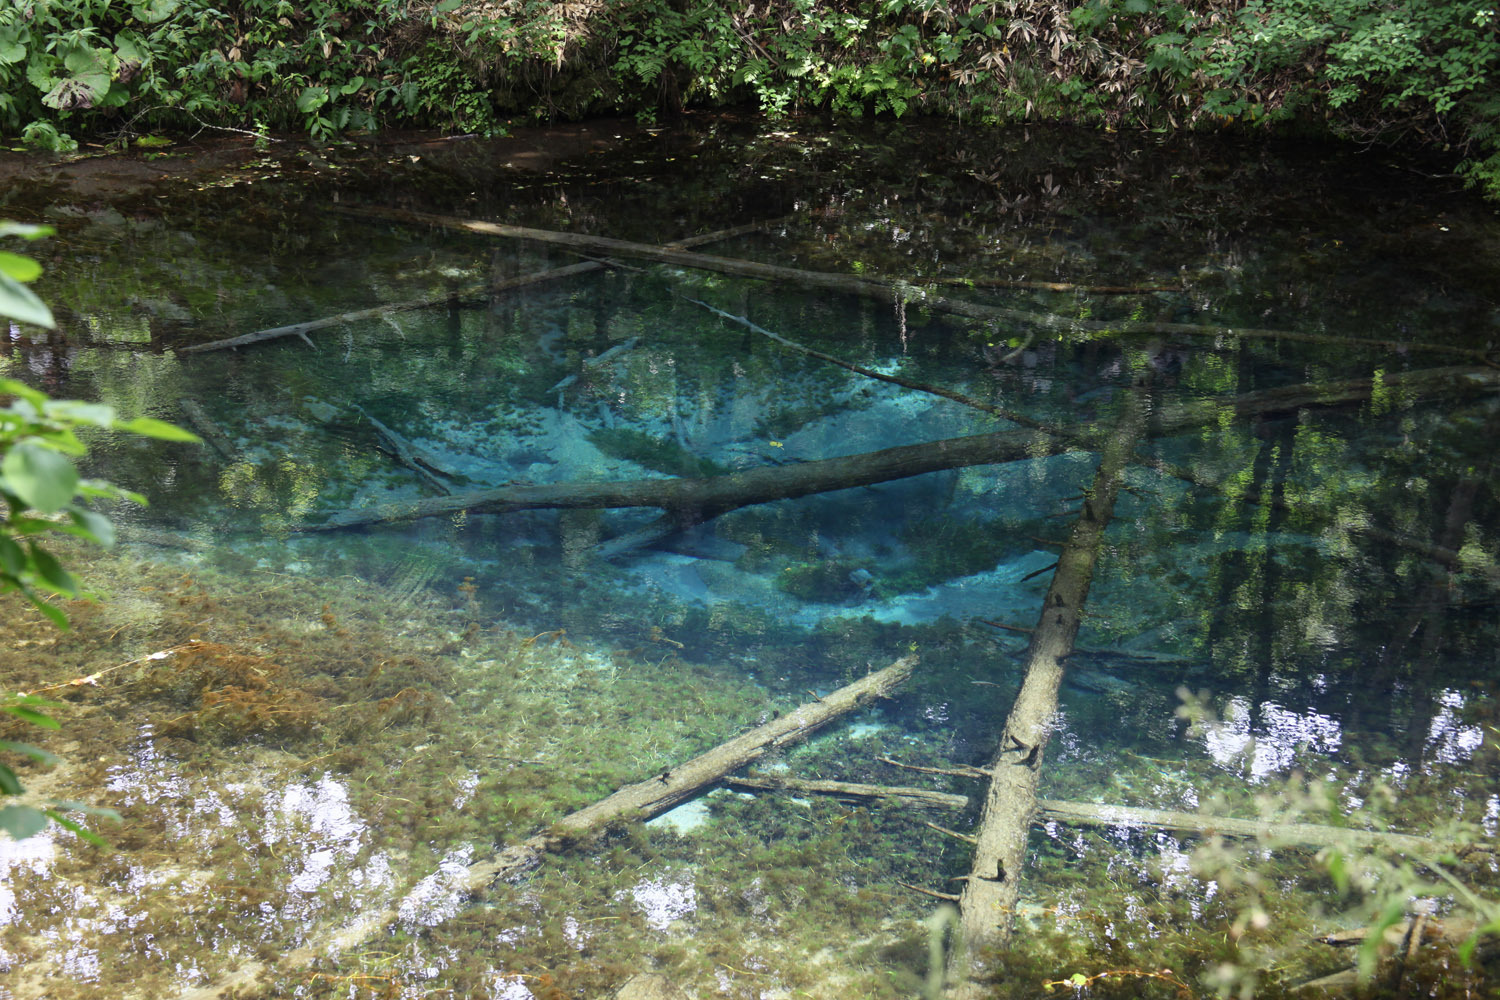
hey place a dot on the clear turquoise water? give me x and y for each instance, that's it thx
(1332, 661)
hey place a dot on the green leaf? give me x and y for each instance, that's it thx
(9, 783)
(21, 304)
(101, 490)
(10, 387)
(43, 479)
(55, 614)
(98, 527)
(447, 6)
(88, 414)
(68, 805)
(12, 559)
(86, 834)
(1369, 950)
(1338, 871)
(152, 11)
(84, 88)
(31, 715)
(24, 229)
(22, 821)
(12, 49)
(35, 753)
(158, 429)
(312, 98)
(50, 570)
(18, 267)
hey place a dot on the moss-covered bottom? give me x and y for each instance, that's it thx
(292, 752)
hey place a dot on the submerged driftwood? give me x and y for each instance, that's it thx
(900, 293)
(636, 802)
(409, 455)
(989, 897)
(1100, 814)
(447, 298)
(690, 501)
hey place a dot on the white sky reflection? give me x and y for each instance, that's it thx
(1273, 745)
(662, 901)
(1448, 739)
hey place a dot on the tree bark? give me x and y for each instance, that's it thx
(895, 292)
(993, 887)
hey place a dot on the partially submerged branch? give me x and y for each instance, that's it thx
(447, 298)
(1313, 835)
(898, 292)
(994, 885)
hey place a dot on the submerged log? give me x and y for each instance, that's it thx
(639, 801)
(678, 784)
(899, 293)
(409, 455)
(1314, 835)
(988, 902)
(923, 387)
(207, 429)
(694, 500)
(445, 298)
(1055, 286)
(689, 501)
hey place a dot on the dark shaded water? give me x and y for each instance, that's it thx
(1341, 629)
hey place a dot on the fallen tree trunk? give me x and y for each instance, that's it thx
(692, 501)
(1099, 814)
(635, 802)
(207, 429)
(695, 500)
(1054, 286)
(988, 901)
(457, 295)
(894, 292)
(658, 531)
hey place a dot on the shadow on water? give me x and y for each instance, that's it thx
(304, 729)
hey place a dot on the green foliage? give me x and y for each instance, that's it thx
(44, 495)
(18, 302)
(1362, 68)
(1375, 70)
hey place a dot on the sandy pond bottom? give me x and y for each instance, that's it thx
(292, 752)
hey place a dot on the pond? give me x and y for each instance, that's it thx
(415, 599)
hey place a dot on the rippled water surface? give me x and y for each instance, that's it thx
(312, 735)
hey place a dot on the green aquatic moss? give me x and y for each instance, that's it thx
(656, 453)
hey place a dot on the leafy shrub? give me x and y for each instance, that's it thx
(44, 495)
(1375, 70)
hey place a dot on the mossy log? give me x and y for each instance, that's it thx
(896, 292)
(689, 501)
(990, 893)
(632, 803)
(677, 784)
